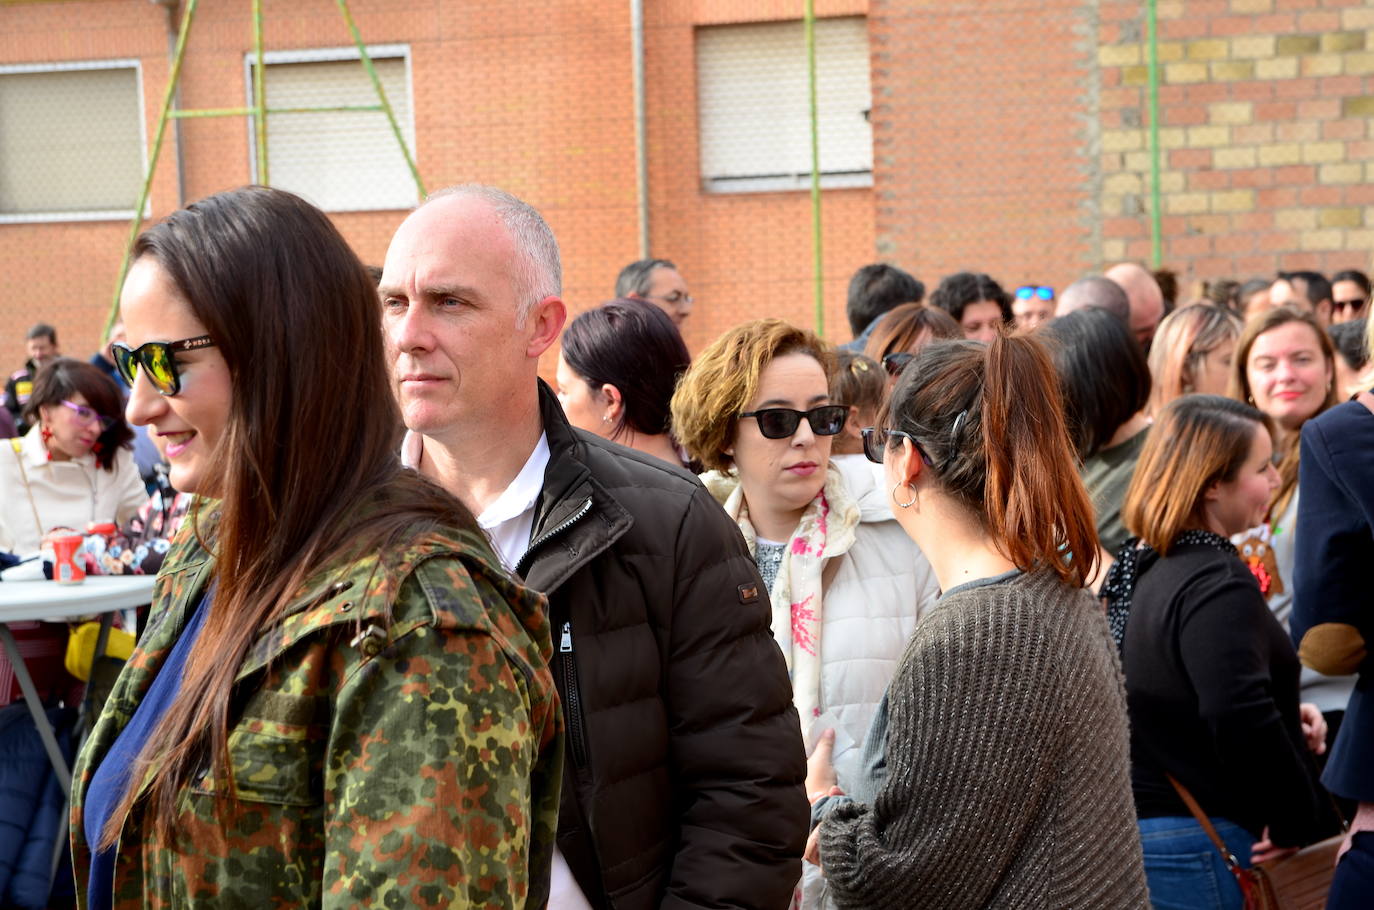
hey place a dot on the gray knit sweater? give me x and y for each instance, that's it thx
(1008, 764)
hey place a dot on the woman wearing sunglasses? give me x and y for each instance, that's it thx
(74, 467)
(340, 700)
(1005, 725)
(904, 331)
(846, 585)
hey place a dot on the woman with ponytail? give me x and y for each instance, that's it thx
(1004, 727)
(340, 699)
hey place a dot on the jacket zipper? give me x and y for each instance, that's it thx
(523, 563)
(574, 698)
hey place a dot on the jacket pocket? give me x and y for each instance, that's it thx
(276, 752)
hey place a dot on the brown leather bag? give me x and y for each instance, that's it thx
(1299, 882)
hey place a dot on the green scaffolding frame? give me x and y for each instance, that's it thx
(258, 111)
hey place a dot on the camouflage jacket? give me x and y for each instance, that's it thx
(399, 744)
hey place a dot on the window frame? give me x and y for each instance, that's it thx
(115, 63)
(392, 51)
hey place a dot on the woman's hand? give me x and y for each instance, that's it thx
(1264, 850)
(1313, 728)
(813, 847)
(820, 770)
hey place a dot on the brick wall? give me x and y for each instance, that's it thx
(1265, 109)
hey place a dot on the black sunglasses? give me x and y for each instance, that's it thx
(780, 423)
(895, 362)
(875, 441)
(157, 360)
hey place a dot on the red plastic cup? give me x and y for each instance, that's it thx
(66, 568)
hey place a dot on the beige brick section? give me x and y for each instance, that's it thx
(1362, 106)
(1231, 112)
(1116, 184)
(1358, 17)
(1208, 136)
(1361, 64)
(1280, 153)
(1185, 72)
(1251, 6)
(1173, 137)
(1359, 240)
(1276, 68)
(1322, 152)
(1185, 203)
(1233, 201)
(1251, 47)
(1341, 218)
(1325, 239)
(1172, 181)
(1169, 51)
(1233, 70)
(1119, 55)
(1111, 206)
(1234, 157)
(1135, 75)
(1340, 174)
(1137, 161)
(1298, 44)
(1295, 219)
(1113, 250)
(1343, 41)
(1322, 65)
(1209, 49)
(1122, 140)
(1369, 177)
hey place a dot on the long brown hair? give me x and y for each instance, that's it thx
(904, 325)
(1288, 450)
(1182, 342)
(989, 416)
(1197, 440)
(64, 377)
(313, 432)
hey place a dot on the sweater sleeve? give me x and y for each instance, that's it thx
(1334, 546)
(1225, 639)
(737, 753)
(974, 730)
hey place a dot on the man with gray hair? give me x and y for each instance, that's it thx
(659, 282)
(684, 765)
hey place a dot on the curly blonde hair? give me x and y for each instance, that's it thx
(724, 378)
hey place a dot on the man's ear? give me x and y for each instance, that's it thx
(544, 323)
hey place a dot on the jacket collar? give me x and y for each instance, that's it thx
(578, 518)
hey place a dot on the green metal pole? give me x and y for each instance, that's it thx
(167, 97)
(1156, 230)
(817, 270)
(381, 95)
(260, 96)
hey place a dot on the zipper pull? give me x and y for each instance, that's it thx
(565, 645)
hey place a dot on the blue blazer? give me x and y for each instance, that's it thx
(1333, 577)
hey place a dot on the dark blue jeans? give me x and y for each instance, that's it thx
(1183, 868)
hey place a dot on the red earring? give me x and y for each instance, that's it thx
(46, 434)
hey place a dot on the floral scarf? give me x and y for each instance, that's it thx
(826, 531)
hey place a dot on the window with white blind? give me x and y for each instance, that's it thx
(341, 160)
(71, 141)
(754, 105)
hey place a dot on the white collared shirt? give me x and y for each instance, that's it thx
(509, 520)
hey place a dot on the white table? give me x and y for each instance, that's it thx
(26, 601)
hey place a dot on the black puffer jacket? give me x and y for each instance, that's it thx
(683, 777)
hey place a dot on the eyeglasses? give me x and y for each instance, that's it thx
(875, 441)
(1027, 291)
(781, 423)
(895, 362)
(674, 298)
(1355, 305)
(157, 361)
(88, 415)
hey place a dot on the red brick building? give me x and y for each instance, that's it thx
(994, 134)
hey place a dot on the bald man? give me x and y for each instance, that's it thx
(1095, 291)
(1146, 300)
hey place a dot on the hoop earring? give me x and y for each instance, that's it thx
(897, 486)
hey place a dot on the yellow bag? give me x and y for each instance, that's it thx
(81, 648)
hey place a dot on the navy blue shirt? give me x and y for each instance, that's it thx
(111, 778)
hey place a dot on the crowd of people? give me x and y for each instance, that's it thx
(1015, 599)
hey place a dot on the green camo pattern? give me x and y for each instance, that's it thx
(400, 743)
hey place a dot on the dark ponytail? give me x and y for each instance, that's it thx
(990, 418)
